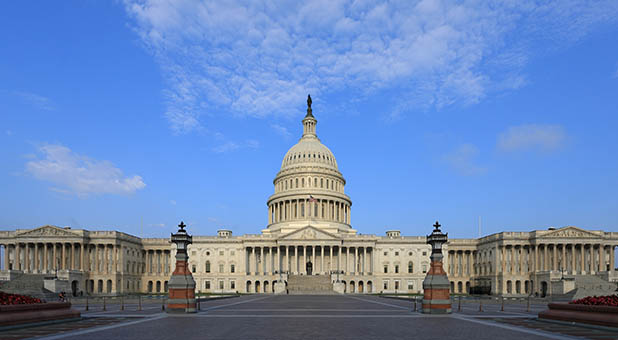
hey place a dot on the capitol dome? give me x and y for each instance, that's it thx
(309, 189)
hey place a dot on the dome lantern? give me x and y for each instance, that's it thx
(309, 122)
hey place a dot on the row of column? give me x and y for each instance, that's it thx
(302, 209)
(574, 258)
(294, 259)
(461, 262)
(158, 261)
(47, 257)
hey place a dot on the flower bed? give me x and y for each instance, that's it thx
(602, 315)
(16, 309)
(16, 299)
(608, 300)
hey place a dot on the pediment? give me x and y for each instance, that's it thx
(570, 232)
(309, 233)
(48, 230)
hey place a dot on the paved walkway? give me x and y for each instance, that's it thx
(311, 317)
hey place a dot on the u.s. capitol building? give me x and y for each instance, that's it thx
(310, 237)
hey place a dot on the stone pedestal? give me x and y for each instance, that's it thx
(339, 287)
(280, 287)
(436, 286)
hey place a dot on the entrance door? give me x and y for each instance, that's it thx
(543, 289)
(309, 268)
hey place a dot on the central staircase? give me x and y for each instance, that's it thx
(310, 284)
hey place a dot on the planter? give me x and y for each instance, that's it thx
(11, 315)
(595, 315)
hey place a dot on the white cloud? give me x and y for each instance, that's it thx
(233, 146)
(80, 175)
(258, 58)
(281, 130)
(531, 137)
(463, 159)
(35, 100)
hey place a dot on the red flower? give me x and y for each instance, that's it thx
(16, 299)
(609, 300)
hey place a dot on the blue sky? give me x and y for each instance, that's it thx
(134, 115)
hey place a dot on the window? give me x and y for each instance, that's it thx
(207, 285)
(232, 269)
(385, 284)
(221, 284)
(410, 254)
(410, 267)
(297, 183)
(385, 269)
(396, 253)
(410, 285)
(193, 269)
(424, 253)
(424, 268)
(232, 284)
(221, 268)
(303, 182)
(396, 285)
(207, 253)
(396, 269)
(321, 182)
(221, 253)
(302, 210)
(327, 184)
(385, 253)
(232, 253)
(207, 266)
(315, 182)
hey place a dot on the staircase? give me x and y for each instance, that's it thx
(29, 284)
(310, 284)
(591, 285)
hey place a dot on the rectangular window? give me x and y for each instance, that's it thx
(424, 253)
(386, 269)
(208, 267)
(424, 268)
(193, 269)
(221, 253)
(302, 210)
(232, 269)
(396, 269)
(396, 253)
(207, 285)
(221, 284)
(232, 253)
(410, 285)
(232, 284)
(396, 285)
(221, 268)
(385, 285)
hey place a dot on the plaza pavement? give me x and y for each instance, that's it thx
(300, 317)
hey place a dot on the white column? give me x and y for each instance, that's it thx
(330, 263)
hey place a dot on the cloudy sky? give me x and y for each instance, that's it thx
(133, 115)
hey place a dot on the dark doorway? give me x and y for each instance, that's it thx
(309, 268)
(543, 289)
(74, 288)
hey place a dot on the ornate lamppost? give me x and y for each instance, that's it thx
(181, 285)
(436, 286)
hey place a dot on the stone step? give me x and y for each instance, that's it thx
(310, 284)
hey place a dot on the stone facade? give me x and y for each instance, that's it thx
(309, 232)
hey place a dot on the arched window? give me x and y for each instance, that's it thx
(302, 210)
(297, 183)
(321, 182)
(208, 266)
(303, 182)
(315, 182)
(410, 267)
(327, 184)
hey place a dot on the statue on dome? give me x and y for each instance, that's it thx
(309, 101)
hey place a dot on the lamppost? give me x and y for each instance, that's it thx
(181, 284)
(436, 297)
